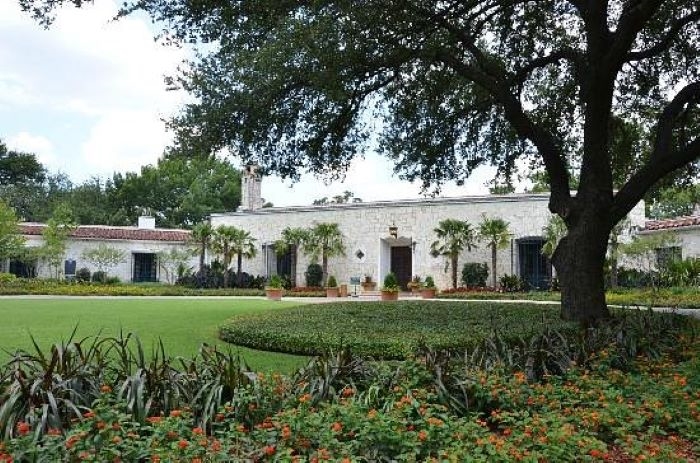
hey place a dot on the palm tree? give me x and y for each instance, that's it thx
(496, 233)
(453, 237)
(553, 232)
(324, 240)
(292, 239)
(202, 234)
(230, 241)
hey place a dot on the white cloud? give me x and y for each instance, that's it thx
(37, 144)
(124, 141)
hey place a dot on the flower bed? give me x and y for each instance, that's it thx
(630, 399)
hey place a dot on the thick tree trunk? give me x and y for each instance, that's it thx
(579, 260)
(493, 265)
(453, 264)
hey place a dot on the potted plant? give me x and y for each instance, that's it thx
(428, 289)
(368, 284)
(332, 287)
(415, 284)
(390, 290)
(274, 289)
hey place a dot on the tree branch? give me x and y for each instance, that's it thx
(666, 40)
(662, 161)
(543, 61)
(632, 20)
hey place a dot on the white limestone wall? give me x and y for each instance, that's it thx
(365, 226)
(124, 271)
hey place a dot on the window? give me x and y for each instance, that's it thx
(668, 254)
(145, 269)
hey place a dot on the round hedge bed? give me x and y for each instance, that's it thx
(390, 330)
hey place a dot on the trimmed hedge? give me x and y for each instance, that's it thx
(56, 288)
(386, 330)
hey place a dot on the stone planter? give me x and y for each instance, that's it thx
(428, 293)
(369, 286)
(390, 295)
(274, 294)
(332, 292)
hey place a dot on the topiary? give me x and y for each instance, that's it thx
(275, 282)
(332, 282)
(429, 282)
(475, 274)
(82, 275)
(314, 275)
(390, 283)
(511, 283)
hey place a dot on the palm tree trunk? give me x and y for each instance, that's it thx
(227, 262)
(201, 256)
(238, 270)
(455, 261)
(493, 265)
(293, 276)
(325, 268)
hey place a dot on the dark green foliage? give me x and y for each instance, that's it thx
(429, 282)
(385, 330)
(332, 282)
(82, 275)
(99, 277)
(684, 272)
(275, 282)
(475, 274)
(511, 283)
(390, 282)
(314, 275)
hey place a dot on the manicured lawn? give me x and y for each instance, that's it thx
(182, 324)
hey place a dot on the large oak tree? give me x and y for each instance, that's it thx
(458, 83)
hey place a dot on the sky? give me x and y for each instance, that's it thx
(88, 97)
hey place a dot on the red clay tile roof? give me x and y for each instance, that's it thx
(668, 224)
(115, 233)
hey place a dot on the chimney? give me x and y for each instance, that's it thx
(147, 222)
(251, 196)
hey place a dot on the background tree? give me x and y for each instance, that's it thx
(104, 257)
(674, 201)
(293, 238)
(202, 234)
(460, 84)
(324, 241)
(553, 232)
(55, 235)
(454, 236)
(496, 233)
(642, 251)
(11, 240)
(173, 263)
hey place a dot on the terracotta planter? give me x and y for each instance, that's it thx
(390, 295)
(371, 286)
(274, 294)
(331, 292)
(428, 293)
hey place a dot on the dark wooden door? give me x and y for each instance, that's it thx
(401, 264)
(535, 268)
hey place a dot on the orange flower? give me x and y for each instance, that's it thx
(101, 425)
(241, 428)
(155, 459)
(183, 444)
(372, 413)
(324, 454)
(105, 389)
(219, 417)
(71, 441)
(286, 432)
(203, 443)
(175, 413)
(154, 419)
(305, 398)
(348, 392)
(337, 426)
(83, 455)
(269, 450)
(197, 431)
(53, 432)
(116, 440)
(89, 414)
(196, 460)
(171, 435)
(435, 421)
(422, 436)
(507, 432)
(216, 445)
(23, 428)
(519, 377)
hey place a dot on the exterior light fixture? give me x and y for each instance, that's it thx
(394, 231)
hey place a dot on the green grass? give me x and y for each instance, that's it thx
(387, 330)
(182, 324)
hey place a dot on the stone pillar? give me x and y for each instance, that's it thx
(251, 194)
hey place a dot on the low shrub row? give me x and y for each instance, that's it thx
(385, 330)
(631, 395)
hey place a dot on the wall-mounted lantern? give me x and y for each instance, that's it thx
(394, 231)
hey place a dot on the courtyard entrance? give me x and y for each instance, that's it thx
(535, 268)
(401, 264)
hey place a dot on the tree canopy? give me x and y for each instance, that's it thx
(457, 84)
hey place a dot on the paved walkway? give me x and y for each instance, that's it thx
(322, 300)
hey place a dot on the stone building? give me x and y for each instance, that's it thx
(686, 233)
(396, 236)
(141, 246)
